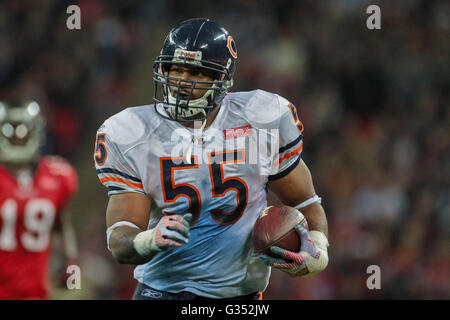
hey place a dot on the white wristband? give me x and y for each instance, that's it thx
(306, 203)
(115, 226)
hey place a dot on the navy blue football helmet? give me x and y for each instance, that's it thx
(203, 44)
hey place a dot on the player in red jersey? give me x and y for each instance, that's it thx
(34, 191)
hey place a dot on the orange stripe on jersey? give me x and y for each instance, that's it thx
(300, 126)
(288, 155)
(297, 121)
(131, 184)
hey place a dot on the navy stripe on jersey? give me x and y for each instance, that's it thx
(115, 189)
(112, 189)
(285, 171)
(291, 144)
(110, 170)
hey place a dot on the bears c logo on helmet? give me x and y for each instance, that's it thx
(232, 46)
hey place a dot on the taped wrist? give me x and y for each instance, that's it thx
(321, 242)
(144, 242)
(319, 239)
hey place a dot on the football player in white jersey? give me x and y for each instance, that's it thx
(187, 177)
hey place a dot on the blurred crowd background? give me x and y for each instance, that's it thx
(374, 103)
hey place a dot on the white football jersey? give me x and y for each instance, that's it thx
(218, 174)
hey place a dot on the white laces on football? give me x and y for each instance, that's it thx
(197, 135)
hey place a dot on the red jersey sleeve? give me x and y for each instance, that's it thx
(66, 174)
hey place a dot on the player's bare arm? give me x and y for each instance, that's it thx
(297, 187)
(134, 208)
(294, 189)
(131, 242)
(65, 228)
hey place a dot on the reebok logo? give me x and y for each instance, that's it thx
(151, 294)
(180, 53)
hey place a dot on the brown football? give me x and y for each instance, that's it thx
(275, 227)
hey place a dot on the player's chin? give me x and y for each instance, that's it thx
(192, 118)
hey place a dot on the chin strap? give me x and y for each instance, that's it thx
(183, 112)
(197, 134)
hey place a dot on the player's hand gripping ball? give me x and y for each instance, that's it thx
(281, 236)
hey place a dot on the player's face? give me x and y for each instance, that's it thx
(189, 73)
